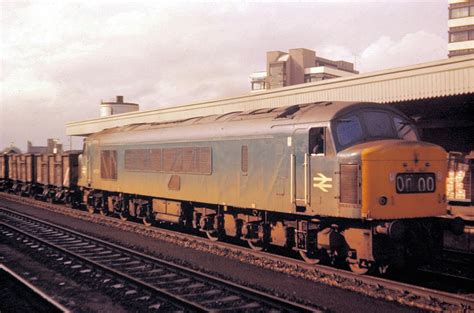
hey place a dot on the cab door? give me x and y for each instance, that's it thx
(323, 173)
(299, 169)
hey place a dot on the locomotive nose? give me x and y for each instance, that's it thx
(412, 154)
(408, 175)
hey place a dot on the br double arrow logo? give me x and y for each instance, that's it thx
(321, 182)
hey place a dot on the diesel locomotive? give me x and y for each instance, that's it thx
(335, 181)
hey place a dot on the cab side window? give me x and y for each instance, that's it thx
(317, 141)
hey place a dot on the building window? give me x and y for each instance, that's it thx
(309, 78)
(459, 12)
(258, 85)
(459, 36)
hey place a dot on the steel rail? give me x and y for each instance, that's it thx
(267, 300)
(51, 304)
(464, 302)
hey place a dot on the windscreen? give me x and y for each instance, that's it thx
(404, 129)
(349, 130)
(372, 125)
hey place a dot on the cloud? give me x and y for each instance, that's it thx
(412, 49)
(24, 85)
(385, 52)
(59, 59)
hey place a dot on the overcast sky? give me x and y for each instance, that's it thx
(61, 58)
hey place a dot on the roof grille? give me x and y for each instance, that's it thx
(289, 111)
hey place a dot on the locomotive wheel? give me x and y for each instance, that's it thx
(90, 209)
(103, 212)
(212, 235)
(147, 221)
(256, 245)
(356, 268)
(310, 257)
(383, 269)
(123, 216)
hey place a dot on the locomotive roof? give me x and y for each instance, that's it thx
(255, 122)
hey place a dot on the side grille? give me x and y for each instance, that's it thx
(349, 183)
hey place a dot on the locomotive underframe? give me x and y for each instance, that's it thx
(363, 244)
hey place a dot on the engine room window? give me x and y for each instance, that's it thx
(155, 160)
(317, 141)
(348, 130)
(404, 129)
(191, 160)
(143, 160)
(173, 160)
(378, 124)
(205, 160)
(108, 164)
(136, 159)
(197, 160)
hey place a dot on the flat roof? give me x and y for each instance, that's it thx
(447, 77)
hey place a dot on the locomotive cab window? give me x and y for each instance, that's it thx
(317, 141)
(378, 125)
(372, 125)
(405, 129)
(349, 130)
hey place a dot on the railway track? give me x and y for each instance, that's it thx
(14, 288)
(146, 282)
(404, 293)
